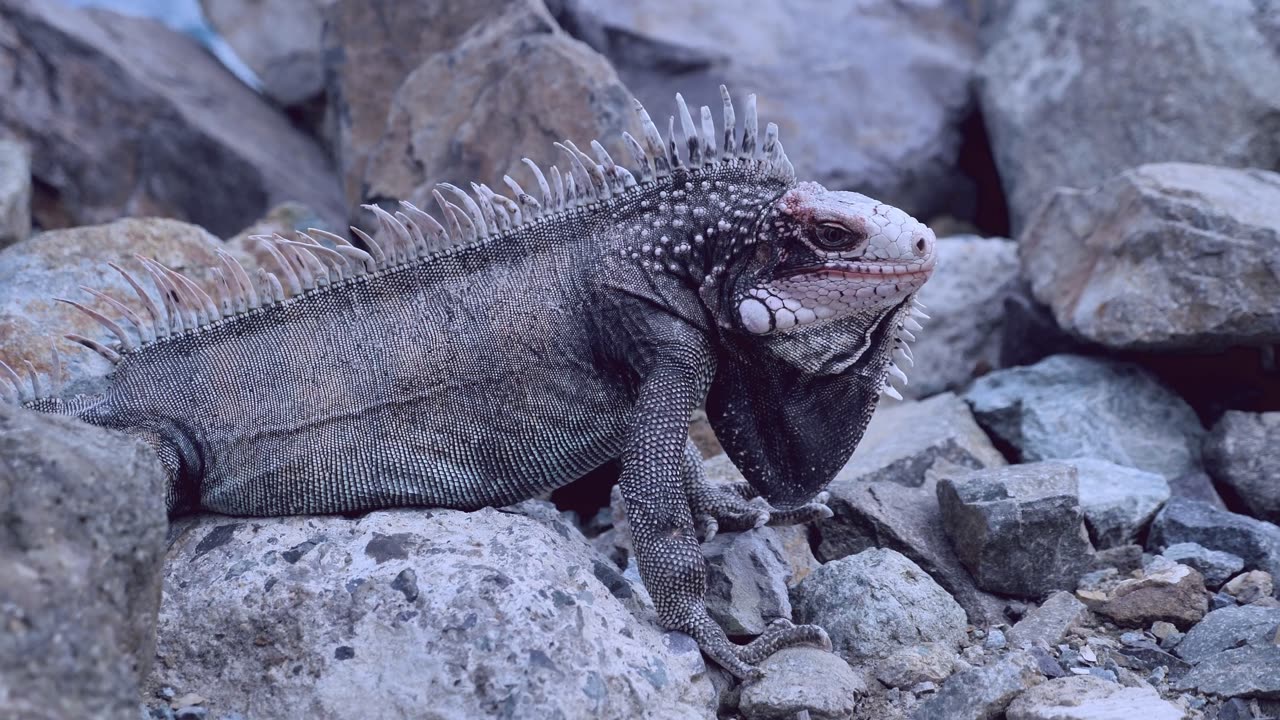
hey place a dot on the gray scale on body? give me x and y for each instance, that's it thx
(517, 343)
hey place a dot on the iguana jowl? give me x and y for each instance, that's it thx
(522, 343)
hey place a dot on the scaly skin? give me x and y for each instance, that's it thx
(585, 328)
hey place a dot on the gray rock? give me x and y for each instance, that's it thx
(1142, 262)
(1250, 586)
(802, 679)
(80, 559)
(1240, 672)
(1240, 453)
(1196, 485)
(747, 578)
(908, 667)
(1050, 622)
(877, 602)
(1084, 697)
(1227, 628)
(1166, 591)
(1117, 501)
(1257, 542)
(966, 331)
(280, 40)
(15, 192)
(1018, 529)
(917, 62)
(1068, 406)
(127, 117)
(1216, 566)
(55, 263)
(468, 614)
(905, 439)
(984, 692)
(1062, 85)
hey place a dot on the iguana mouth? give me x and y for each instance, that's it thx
(862, 271)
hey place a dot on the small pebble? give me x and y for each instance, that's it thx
(1158, 675)
(1221, 600)
(166, 692)
(1133, 639)
(926, 686)
(1103, 673)
(995, 640)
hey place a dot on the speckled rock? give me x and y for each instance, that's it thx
(982, 693)
(15, 192)
(80, 562)
(1117, 501)
(1228, 628)
(1257, 542)
(802, 679)
(908, 667)
(1239, 672)
(1240, 453)
(1141, 261)
(1018, 529)
(1069, 406)
(877, 602)
(1050, 621)
(1072, 94)
(1216, 566)
(747, 579)
(966, 329)
(469, 614)
(1084, 697)
(55, 263)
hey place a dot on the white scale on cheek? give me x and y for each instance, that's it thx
(755, 316)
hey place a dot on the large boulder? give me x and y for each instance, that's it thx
(414, 612)
(127, 117)
(1241, 453)
(1070, 406)
(1227, 628)
(876, 603)
(56, 263)
(1019, 529)
(869, 95)
(80, 567)
(1162, 256)
(1257, 542)
(966, 330)
(15, 192)
(280, 40)
(1073, 93)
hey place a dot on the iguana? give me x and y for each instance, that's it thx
(526, 340)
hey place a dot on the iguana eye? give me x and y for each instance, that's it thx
(836, 238)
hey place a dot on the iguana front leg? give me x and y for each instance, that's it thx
(737, 506)
(667, 550)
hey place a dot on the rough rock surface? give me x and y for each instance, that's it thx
(464, 614)
(966, 329)
(982, 692)
(747, 578)
(905, 439)
(280, 40)
(1257, 542)
(1084, 697)
(165, 130)
(1166, 591)
(15, 192)
(1216, 566)
(1072, 94)
(875, 603)
(1019, 528)
(80, 567)
(799, 679)
(1250, 586)
(1239, 672)
(1117, 501)
(1069, 406)
(1050, 621)
(1241, 453)
(910, 666)
(915, 60)
(1164, 256)
(1227, 628)
(55, 263)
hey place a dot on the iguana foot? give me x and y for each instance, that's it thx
(737, 506)
(782, 633)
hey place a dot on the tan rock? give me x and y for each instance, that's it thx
(127, 117)
(1250, 586)
(1166, 591)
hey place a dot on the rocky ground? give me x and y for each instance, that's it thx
(1073, 515)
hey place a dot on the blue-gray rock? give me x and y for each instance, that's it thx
(80, 561)
(1117, 501)
(1050, 622)
(1018, 529)
(802, 679)
(1216, 566)
(15, 192)
(877, 602)
(1257, 542)
(454, 612)
(1140, 262)
(1228, 628)
(747, 578)
(1062, 86)
(1239, 672)
(1241, 453)
(1069, 406)
(982, 692)
(1094, 698)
